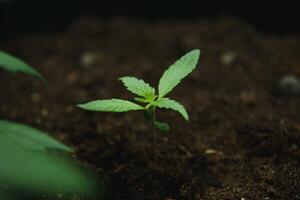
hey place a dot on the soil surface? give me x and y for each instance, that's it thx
(243, 137)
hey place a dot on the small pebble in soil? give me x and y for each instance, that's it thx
(248, 97)
(189, 41)
(88, 59)
(294, 147)
(213, 151)
(289, 85)
(35, 97)
(44, 112)
(228, 57)
(72, 77)
(69, 109)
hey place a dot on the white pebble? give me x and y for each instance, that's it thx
(290, 84)
(88, 59)
(228, 57)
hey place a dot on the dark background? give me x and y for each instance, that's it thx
(22, 16)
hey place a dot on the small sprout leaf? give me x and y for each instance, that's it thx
(161, 126)
(30, 138)
(139, 87)
(176, 72)
(111, 105)
(140, 99)
(13, 64)
(174, 105)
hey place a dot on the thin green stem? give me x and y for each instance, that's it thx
(154, 131)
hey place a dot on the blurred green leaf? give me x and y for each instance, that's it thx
(30, 138)
(38, 172)
(13, 64)
(3, 196)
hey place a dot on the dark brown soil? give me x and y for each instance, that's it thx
(243, 137)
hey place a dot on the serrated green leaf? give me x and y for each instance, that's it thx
(139, 87)
(111, 105)
(176, 72)
(174, 105)
(161, 126)
(13, 64)
(30, 138)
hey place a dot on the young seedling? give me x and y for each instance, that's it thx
(146, 94)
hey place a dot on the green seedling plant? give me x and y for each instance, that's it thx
(149, 101)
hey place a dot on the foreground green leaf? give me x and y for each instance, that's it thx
(13, 64)
(174, 105)
(111, 105)
(33, 171)
(175, 73)
(139, 87)
(3, 196)
(30, 138)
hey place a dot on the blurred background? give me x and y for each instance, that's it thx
(23, 16)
